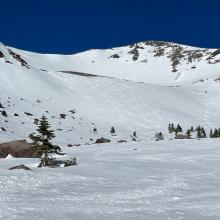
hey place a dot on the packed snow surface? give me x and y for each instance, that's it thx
(141, 87)
(157, 180)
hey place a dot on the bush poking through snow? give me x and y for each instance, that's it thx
(71, 162)
(158, 136)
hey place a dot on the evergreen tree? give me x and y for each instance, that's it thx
(216, 133)
(198, 128)
(178, 128)
(135, 134)
(170, 130)
(172, 127)
(192, 129)
(43, 141)
(95, 130)
(112, 131)
(188, 132)
(211, 135)
(203, 133)
(158, 136)
(199, 133)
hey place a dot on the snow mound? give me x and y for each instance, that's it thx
(9, 156)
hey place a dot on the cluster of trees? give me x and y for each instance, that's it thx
(43, 140)
(200, 131)
(113, 133)
(172, 128)
(215, 133)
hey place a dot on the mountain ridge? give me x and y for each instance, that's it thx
(139, 62)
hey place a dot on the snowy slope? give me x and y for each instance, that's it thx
(106, 102)
(151, 62)
(142, 90)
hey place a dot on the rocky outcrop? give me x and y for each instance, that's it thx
(19, 148)
(20, 167)
(1, 55)
(102, 140)
(182, 136)
(18, 58)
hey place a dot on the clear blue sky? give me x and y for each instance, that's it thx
(69, 26)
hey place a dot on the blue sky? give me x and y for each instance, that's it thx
(69, 26)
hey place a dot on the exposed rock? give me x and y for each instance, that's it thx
(16, 115)
(182, 136)
(28, 114)
(20, 167)
(1, 106)
(3, 129)
(122, 141)
(18, 58)
(215, 53)
(115, 56)
(63, 116)
(135, 51)
(3, 113)
(102, 140)
(1, 55)
(73, 111)
(19, 148)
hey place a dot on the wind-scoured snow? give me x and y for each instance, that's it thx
(140, 87)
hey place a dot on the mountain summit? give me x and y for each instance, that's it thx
(153, 62)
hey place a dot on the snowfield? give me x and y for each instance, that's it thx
(142, 88)
(159, 180)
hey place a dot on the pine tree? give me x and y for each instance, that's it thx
(178, 128)
(112, 131)
(188, 132)
(211, 135)
(203, 133)
(158, 136)
(172, 127)
(198, 133)
(192, 129)
(135, 134)
(43, 141)
(95, 130)
(216, 133)
(170, 130)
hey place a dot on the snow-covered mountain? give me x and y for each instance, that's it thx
(152, 62)
(140, 87)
